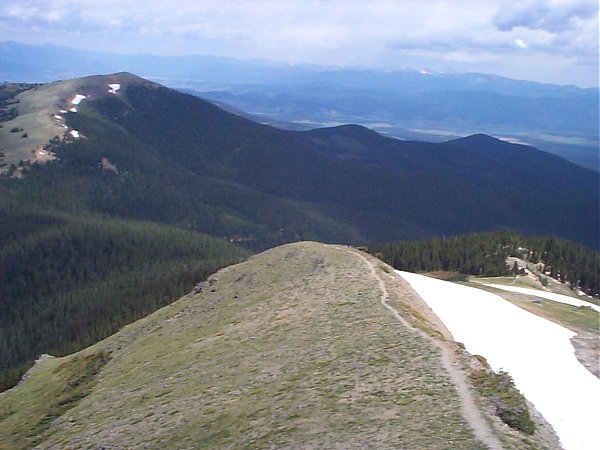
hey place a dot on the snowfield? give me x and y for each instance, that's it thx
(536, 352)
(113, 88)
(547, 295)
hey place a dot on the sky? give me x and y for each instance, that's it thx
(551, 41)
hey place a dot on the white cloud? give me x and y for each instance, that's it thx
(468, 33)
(549, 15)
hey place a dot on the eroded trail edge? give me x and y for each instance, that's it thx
(467, 401)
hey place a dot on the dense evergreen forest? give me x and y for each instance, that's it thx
(67, 282)
(485, 254)
(354, 182)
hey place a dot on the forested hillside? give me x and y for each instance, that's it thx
(67, 282)
(155, 154)
(486, 253)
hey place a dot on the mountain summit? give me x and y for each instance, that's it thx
(35, 115)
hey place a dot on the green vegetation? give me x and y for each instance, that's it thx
(58, 388)
(579, 319)
(66, 281)
(292, 345)
(77, 378)
(289, 346)
(485, 254)
(509, 403)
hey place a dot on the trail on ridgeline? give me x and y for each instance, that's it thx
(468, 405)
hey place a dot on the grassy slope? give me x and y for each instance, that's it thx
(291, 347)
(575, 318)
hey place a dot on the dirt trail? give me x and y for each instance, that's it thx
(469, 408)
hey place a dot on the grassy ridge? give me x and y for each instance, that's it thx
(79, 279)
(291, 347)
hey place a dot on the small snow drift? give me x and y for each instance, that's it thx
(75, 133)
(114, 87)
(77, 99)
(537, 353)
(73, 109)
(547, 295)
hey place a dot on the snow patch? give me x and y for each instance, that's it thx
(56, 116)
(62, 111)
(537, 353)
(547, 295)
(73, 109)
(75, 133)
(77, 99)
(114, 87)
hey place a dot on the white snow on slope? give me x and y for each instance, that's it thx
(77, 99)
(114, 87)
(537, 353)
(547, 295)
(75, 133)
(73, 109)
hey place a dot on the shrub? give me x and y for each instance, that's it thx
(509, 403)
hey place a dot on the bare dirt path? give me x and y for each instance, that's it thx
(469, 408)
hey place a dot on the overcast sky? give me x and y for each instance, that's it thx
(552, 41)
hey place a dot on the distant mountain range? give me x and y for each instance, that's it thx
(413, 105)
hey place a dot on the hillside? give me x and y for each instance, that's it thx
(68, 281)
(151, 153)
(305, 344)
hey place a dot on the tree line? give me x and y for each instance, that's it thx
(484, 254)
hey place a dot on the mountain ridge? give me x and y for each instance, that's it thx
(293, 345)
(346, 167)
